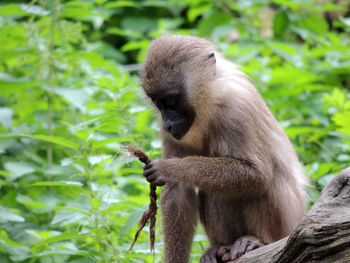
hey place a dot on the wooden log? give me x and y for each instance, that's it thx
(323, 235)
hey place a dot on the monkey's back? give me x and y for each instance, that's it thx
(243, 126)
(240, 125)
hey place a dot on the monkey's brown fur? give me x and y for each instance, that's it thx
(248, 176)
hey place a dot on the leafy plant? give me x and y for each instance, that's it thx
(68, 101)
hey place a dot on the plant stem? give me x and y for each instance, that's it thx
(50, 60)
(98, 237)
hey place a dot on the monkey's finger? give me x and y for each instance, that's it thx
(151, 178)
(155, 179)
(235, 250)
(147, 166)
(226, 257)
(149, 172)
(223, 250)
(241, 249)
(158, 182)
(253, 245)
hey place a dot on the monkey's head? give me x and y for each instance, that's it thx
(177, 68)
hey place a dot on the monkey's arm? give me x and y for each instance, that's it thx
(228, 176)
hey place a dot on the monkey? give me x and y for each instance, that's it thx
(226, 161)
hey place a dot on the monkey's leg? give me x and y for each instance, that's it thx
(179, 208)
(239, 248)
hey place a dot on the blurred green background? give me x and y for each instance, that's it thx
(70, 97)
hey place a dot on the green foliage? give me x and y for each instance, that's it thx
(67, 104)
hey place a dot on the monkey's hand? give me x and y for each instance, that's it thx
(210, 256)
(156, 172)
(239, 248)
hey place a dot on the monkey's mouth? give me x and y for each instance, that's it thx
(179, 127)
(178, 134)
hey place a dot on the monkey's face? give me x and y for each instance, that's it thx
(177, 114)
(175, 68)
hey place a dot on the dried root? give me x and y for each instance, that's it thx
(151, 212)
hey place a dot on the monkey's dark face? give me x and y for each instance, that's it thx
(177, 114)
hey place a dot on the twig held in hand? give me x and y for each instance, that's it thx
(151, 212)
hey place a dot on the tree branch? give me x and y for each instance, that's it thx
(323, 235)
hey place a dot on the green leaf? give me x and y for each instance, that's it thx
(345, 21)
(332, 7)
(57, 140)
(34, 9)
(99, 144)
(61, 237)
(61, 252)
(18, 169)
(124, 32)
(8, 88)
(78, 210)
(325, 179)
(142, 120)
(336, 98)
(292, 132)
(342, 119)
(315, 23)
(197, 10)
(6, 215)
(17, 251)
(76, 97)
(121, 3)
(22, 10)
(292, 75)
(290, 49)
(132, 220)
(29, 202)
(200, 237)
(7, 136)
(139, 24)
(280, 23)
(77, 10)
(93, 160)
(323, 169)
(292, 91)
(135, 45)
(288, 3)
(50, 183)
(208, 24)
(95, 203)
(65, 217)
(11, 10)
(6, 117)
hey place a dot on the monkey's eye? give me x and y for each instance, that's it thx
(171, 102)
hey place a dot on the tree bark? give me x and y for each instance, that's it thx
(323, 235)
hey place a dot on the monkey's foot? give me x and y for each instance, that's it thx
(211, 256)
(239, 248)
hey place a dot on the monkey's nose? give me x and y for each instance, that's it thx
(167, 126)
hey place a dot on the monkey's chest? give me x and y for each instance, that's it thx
(222, 218)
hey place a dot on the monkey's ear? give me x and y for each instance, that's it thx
(210, 57)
